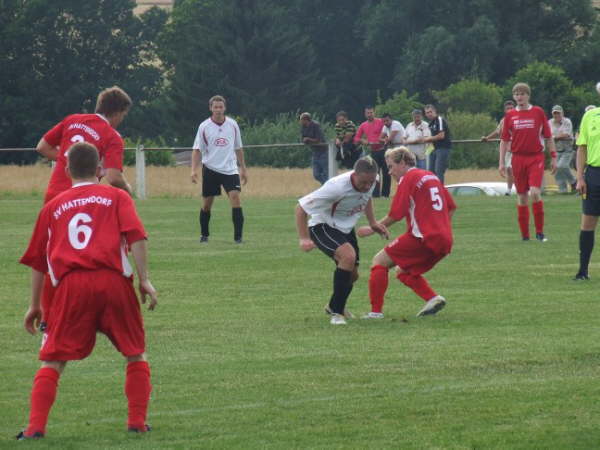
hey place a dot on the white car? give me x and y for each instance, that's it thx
(491, 188)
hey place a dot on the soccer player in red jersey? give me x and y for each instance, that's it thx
(525, 128)
(98, 129)
(80, 239)
(423, 200)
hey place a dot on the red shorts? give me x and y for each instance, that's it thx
(411, 255)
(528, 171)
(86, 302)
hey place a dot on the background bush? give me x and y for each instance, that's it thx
(153, 158)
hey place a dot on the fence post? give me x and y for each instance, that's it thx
(331, 162)
(140, 172)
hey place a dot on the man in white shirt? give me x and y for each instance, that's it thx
(218, 144)
(392, 133)
(414, 135)
(334, 209)
(562, 132)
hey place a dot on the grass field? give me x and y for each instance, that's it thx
(243, 356)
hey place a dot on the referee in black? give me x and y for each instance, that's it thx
(588, 185)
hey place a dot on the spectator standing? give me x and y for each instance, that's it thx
(392, 133)
(312, 135)
(562, 132)
(508, 105)
(442, 143)
(368, 135)
(81, 237)
(524, 130)
(345, 130)
(218, 148)
(414, 138)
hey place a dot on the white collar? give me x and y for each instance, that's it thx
(83, 183)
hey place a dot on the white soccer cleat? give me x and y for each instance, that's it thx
(347, 314)
(337, 319)
(373, 315)
(434, 305)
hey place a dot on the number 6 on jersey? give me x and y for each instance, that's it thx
(76, 228)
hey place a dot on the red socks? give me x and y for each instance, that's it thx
(538, 216)
(43, 394)
(418, 284)
(137, 390)
(523, 211)
(378, 284)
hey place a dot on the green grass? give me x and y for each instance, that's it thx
(243, 357)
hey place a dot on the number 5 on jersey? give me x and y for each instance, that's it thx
(436, 199)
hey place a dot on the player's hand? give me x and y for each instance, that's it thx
(146, 288)
(381, 230)
(553, 166)
(194, 177)
(365, 231)
(502, 170)
(306, 245)
(581, 187)
(32, 319)
(243, 176)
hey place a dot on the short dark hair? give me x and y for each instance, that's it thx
(366, 164)
(430, 106)
(386, 115)
(369, 107)
(112, 100)
(341, 114)
(509, 103)
(83, 160)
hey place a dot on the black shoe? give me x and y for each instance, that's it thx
(507, 194)
(203, 239)
(238, 241)
(540, 237)
(581, 277)
(525, 239)
(145, 429)
(43, 326)
(22, 436)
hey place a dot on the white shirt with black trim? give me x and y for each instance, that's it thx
(218, 143)
(337, 203)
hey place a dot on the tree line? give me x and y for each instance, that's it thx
(272, 59)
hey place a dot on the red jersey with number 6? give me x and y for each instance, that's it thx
(87, 227)
(426, 204)
(92, 128)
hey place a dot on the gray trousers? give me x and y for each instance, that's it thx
(438, 162)
(564, 177)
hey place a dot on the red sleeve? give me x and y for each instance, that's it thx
(54, 136)
(113, 156)
(35, 255)
(505, 129)
(546, 130)
(400, 204)
(130, 224)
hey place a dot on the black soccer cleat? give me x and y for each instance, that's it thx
(146, 428)
(203, 239)
(540, 237)
(238, 241)
(581, 277)
(22, 436)
(43, 326)
(525, 239)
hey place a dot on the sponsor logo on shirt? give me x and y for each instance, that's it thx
(221, 142)
(520, 124)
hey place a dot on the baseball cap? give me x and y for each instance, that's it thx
(416, 111)
(557, 108)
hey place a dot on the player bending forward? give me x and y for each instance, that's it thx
(334, 209)
(80, 239)
(428, 207)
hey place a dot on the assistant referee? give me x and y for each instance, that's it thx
(588, 185)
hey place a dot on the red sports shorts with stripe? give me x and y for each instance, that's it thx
(528, 170)
(91, 301)
(411, 255)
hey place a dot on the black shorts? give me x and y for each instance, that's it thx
(591, 203)
(212, 182)
(328, 239)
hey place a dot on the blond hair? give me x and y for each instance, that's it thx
(521, 87)
(399, 154)
(216, 98)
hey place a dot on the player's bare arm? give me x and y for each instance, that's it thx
(116, 178)
(34, 313)
(196, 165)
(438, 137)
(501, 165)
(239, 153)
(553, 156)
(139, 251)
(306, 244)
(384, 223)
(375, 226)
(581, 160)
(46, 150)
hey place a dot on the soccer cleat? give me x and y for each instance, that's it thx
(238, 241)
(203, 239)
(337, 319)
(540, 237)
(144, 429)
(581, 277)
(43, 326)
(525, 238)
(373, 315)
(22, 436)
(347, 314)
(434, 305)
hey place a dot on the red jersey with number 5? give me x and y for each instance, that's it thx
(426, 204)
(92, 128)
(87, 227)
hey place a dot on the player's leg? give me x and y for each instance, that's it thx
(137, 390)
(231, 184)
(589, 220)
(522, 187)
(536, 176)
(378, 284)
(43, 395)
(211, 187)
